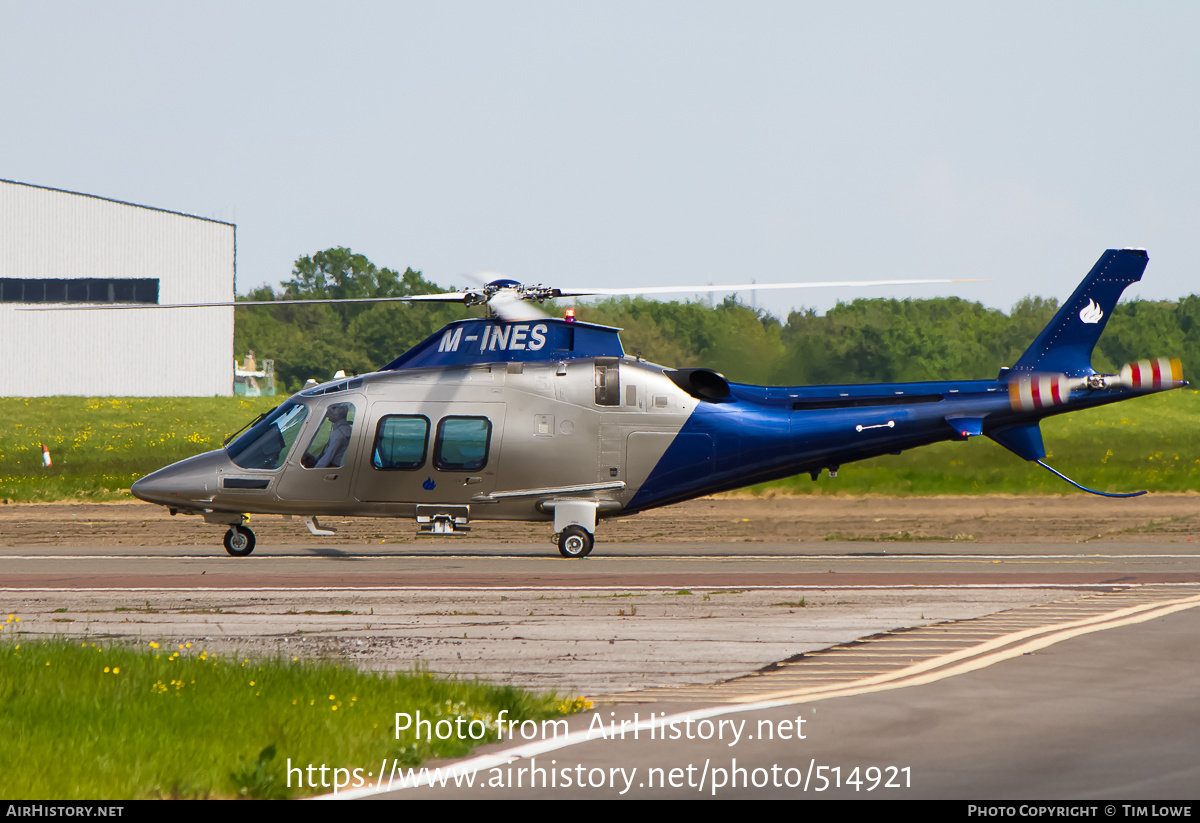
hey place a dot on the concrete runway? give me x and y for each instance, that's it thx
(648, 627)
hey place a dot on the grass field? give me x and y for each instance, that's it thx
(87, 720)
(100, 446)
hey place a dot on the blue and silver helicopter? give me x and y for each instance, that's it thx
(521, 416)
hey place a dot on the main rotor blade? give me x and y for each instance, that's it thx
(445, 297)
(753, 287)
(504, 302)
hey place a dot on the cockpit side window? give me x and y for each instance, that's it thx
(327, 449)
(267, 444)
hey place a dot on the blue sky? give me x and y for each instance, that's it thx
(628, 144)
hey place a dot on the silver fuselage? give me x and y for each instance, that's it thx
(549, 438)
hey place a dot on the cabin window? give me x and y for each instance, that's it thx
(462, 443)
(608, 382)
(400, 442)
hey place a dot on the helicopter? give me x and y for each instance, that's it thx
(522, 416)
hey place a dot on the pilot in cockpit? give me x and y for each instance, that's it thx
(339, 427)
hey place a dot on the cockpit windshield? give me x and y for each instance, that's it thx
(267, 443)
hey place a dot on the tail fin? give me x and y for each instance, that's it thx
(1065, 345)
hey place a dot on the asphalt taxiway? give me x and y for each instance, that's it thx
(937, 668)
(1098, 708)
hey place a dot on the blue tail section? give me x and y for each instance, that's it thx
(1024, 440)
(1066, 344)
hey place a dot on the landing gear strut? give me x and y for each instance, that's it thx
(575, 524)
(239, 541)
(575, 541)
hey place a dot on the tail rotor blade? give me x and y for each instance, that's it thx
(1027, 392)
(1152, 375)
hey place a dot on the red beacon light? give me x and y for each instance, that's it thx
(570, 315)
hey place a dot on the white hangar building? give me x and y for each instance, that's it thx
(64, 248)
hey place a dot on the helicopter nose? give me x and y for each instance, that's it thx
(191, 480)
(156, 487)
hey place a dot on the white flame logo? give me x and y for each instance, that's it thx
(1091, 313)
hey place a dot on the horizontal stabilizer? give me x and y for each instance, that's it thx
(1065, 345)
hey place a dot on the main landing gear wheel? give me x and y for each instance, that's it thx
(575, 541)
(239, 541)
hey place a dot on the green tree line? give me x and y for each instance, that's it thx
(865, 340)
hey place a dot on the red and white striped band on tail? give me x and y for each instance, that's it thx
(1159, 373)
(1036, 391)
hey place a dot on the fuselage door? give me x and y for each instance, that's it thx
(430, 452)
(321, 467)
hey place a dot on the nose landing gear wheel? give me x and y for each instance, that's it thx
(575, 541)
(239, 541)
